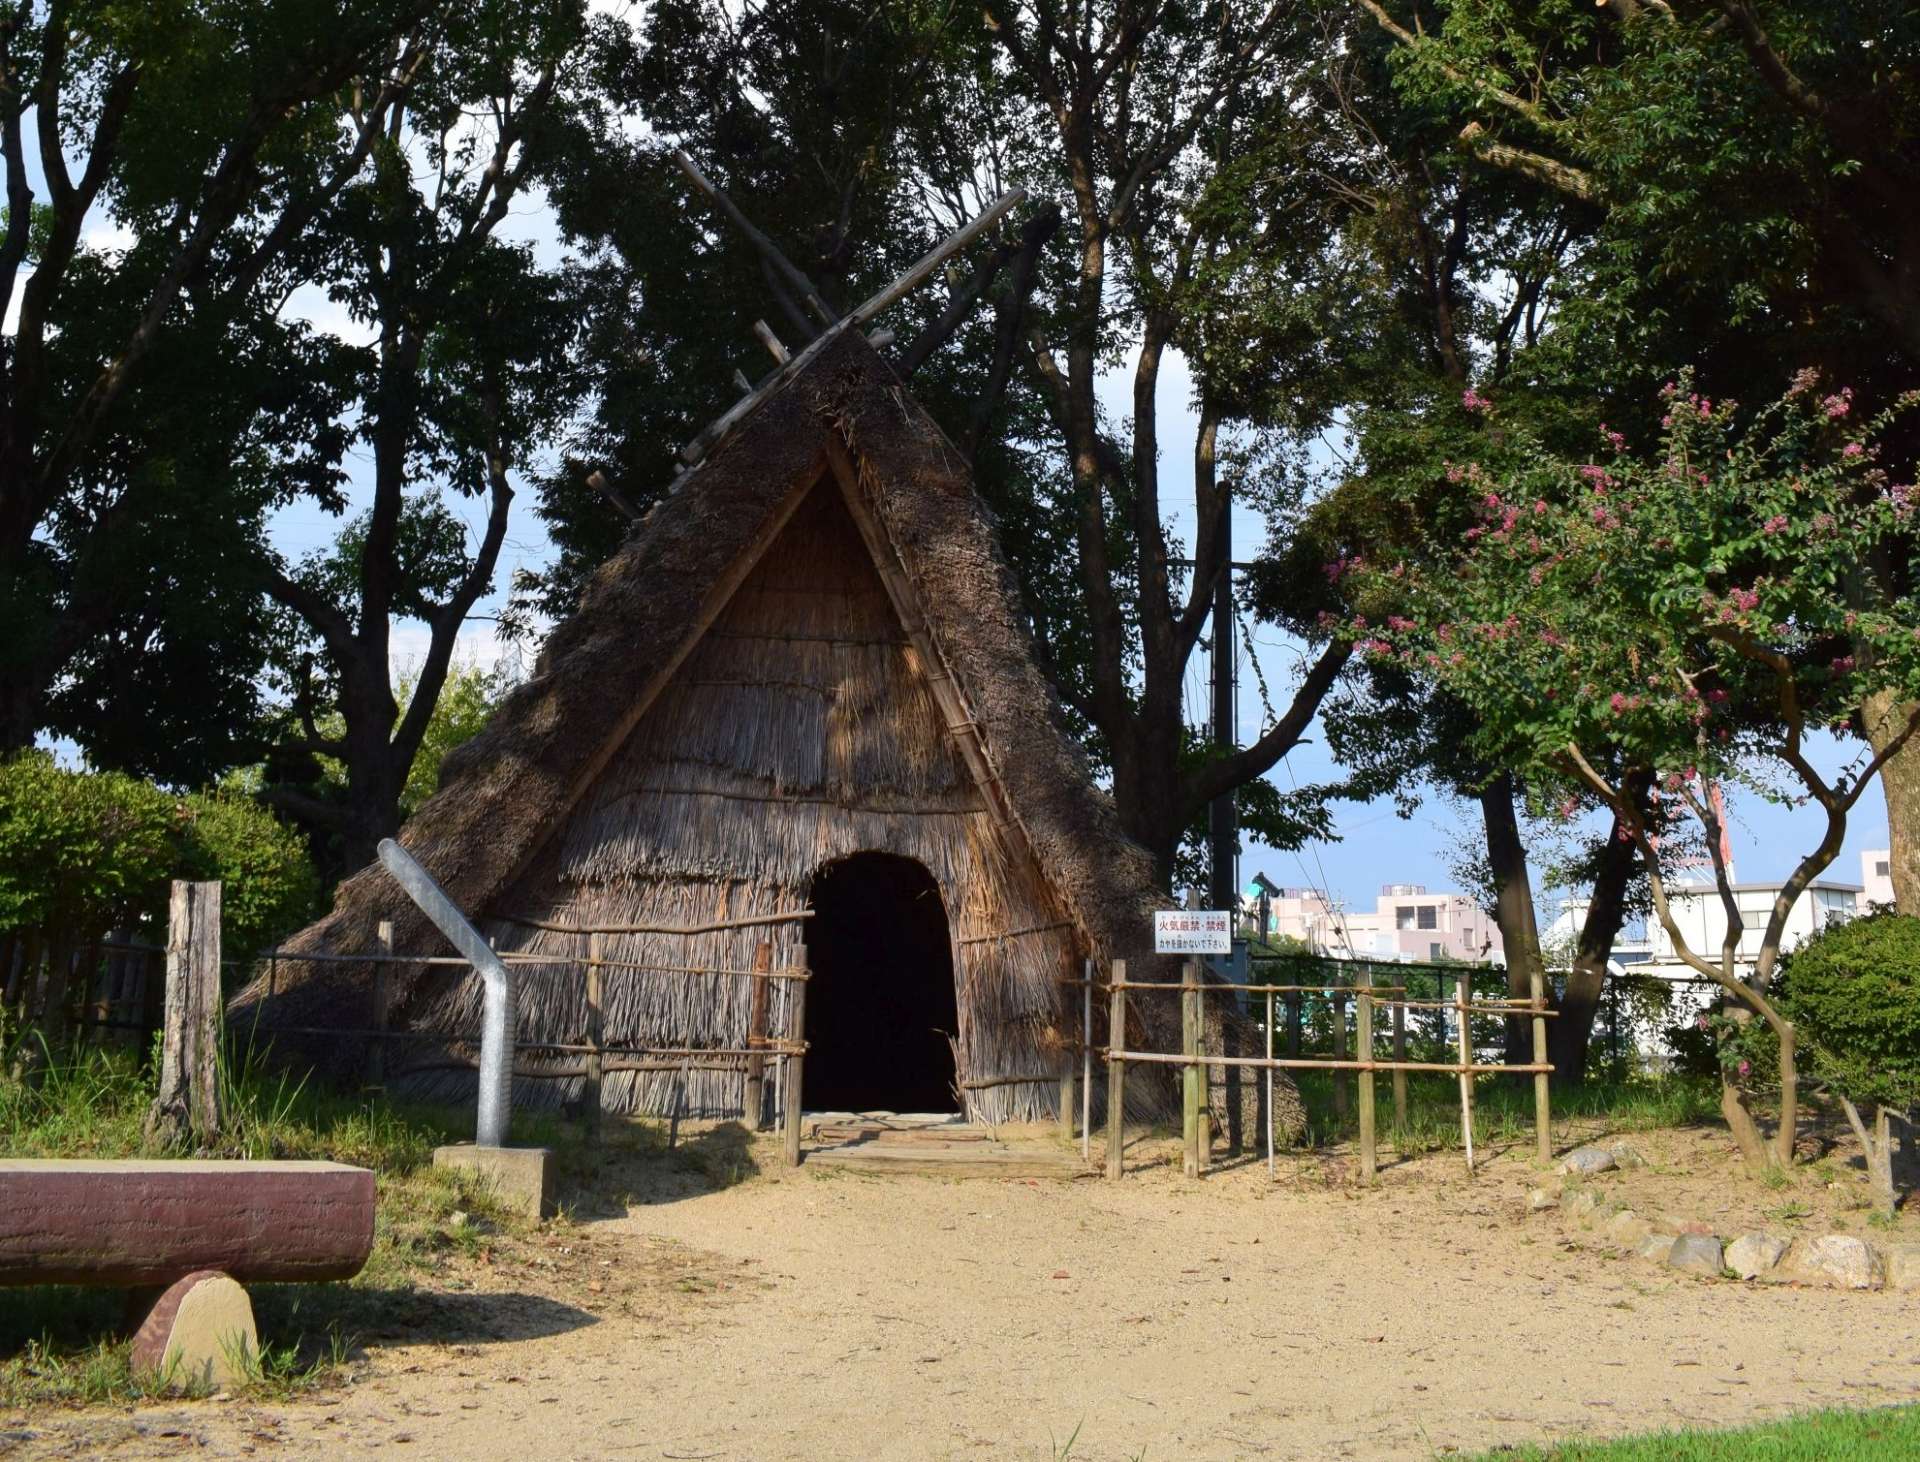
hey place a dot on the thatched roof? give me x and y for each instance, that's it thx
(503, 793)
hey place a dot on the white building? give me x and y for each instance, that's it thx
(1407, 924)
(1702, 917)
(1876, 877)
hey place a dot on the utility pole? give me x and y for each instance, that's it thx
(1222, 834)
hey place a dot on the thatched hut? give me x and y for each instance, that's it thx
(803, 686)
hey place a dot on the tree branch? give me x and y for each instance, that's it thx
(1216, 778)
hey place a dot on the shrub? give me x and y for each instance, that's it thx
(1853, 993)
(81, 851)
(269, 884)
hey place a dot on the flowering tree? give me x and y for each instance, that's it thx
(1642, 629)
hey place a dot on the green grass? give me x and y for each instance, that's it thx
(1503, 1108)
(65, 1346)
(1820, 1436)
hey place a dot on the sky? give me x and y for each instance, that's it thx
(1372, 846)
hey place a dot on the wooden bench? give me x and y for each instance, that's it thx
(190, 1225)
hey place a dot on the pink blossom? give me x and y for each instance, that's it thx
(1744, 599)
(1539, 506)
(1842, 664)
(1839, 405)
(1472, 400)
(1776, 524)
(1400, 622)
(1596, 475)
(1852, 449)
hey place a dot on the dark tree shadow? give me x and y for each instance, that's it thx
(631, 1165)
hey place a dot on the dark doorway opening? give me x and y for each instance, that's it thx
(880, 1005)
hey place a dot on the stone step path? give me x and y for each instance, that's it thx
(935, 1144)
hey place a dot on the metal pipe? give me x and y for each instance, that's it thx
(497, 1021)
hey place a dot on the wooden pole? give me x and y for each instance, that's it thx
(1542, 1095)
(1363, 1048)
(1269, 1076)
(596, 1068)
(756, 1099)
(795, 1066)
(1295, 1003)
(1460, 997)
(1400, 1077)
(1337, 1005)
(187, 1106)
(1116, 1066)
(1086, 1063)
(1066, 1098)
(1194, 1088)
(382, 1000)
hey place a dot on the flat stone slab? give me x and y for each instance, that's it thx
(138, 1222)
(1840, 1260)
(521, 1178)
(200, 1334)
(1902, 1265)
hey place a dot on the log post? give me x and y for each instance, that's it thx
(1295, 1004)
(1337, 1015)
(1460, 997)
(382, 1001)
(795, 1064)
(590, 1091)
(1542, 1096)
(1194, 1086)
(756, 1098)
(1363, 1048)
(187, 1106)
(1266, 1108)
(1116, 1066)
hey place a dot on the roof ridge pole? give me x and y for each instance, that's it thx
(497, 1015)
(778, 262)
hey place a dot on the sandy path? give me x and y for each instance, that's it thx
(922, 1318)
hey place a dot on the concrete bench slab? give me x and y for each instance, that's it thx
(136, 1222)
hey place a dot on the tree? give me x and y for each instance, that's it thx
(206, 131)
(471, 371)
(1645, 628)
(1759, 185)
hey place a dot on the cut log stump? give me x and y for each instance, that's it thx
(199, 1334)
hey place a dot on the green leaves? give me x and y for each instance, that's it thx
(1853, 994)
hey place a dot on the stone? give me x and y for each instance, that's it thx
(520, 1178)
(1697, 1254)
(1837, 1260)
(1541, 1198)
(1627, 1228)
(1656, 1247)
(1901, 1263)
(1755, 1254)
(1586, 1161)
(1626, 1156)
(200, 1334)
(1581, 1205)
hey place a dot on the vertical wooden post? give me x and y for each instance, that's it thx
(1542, 1096)
(1460, 994)
(382, 999)
(1337, 1006)
(595, 1084)
(1363, 1048)
(1400, 1077)
(1268, 1074)
(187, 1105)
(794, 1066)
(1086, 1061)
(757, 1006)
(1116, 1066)
(1194, 1089)
(1066, 1096)
(1295, 1004)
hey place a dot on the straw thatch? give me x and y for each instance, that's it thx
(811, 648)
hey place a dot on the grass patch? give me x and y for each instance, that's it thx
(69, 1347)
(1820, 1436)
(1503, 1108)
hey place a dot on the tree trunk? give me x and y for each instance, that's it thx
(1900, 783)
(1877, 1146)
(1570, 1037)
(1513, 907)
(187, 1106)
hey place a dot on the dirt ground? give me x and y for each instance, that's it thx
(818, 1314)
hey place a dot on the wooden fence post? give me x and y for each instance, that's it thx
(590, 1093)
(1400, 1077)
(1363, 1048)
(1116, 1066)
(1542, 1096)
(188, 1102)
(1066, 1094)
(1296, 1003)
(382, 1002)
(756, 1098)
(1461, 993)
(1337, 1008)
(795, 1063)
(1194, 1089)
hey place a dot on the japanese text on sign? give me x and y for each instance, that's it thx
(1192, 931)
